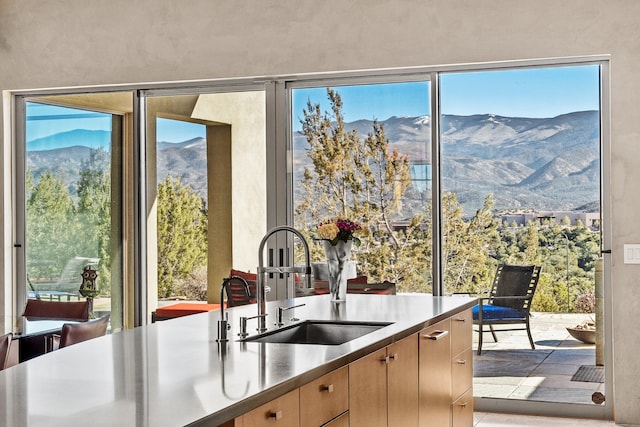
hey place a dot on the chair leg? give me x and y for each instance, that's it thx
(533, 347)
(495, 338)
(480, 333)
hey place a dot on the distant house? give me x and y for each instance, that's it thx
(589, 219)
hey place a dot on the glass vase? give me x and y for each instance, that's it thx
(337, 257)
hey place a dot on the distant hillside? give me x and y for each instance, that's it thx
(76, 137)
(187, 160)
(546, 164)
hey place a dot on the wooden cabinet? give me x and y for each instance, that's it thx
(402, 383)
(424, 380)
(462, 369)
(341, 421)
(324, 399)
(435, 375)
(462, 410)
(368, 390)
(282, 412)
(383, 386)
(446, 373)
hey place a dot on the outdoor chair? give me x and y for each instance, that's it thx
(508, 302)
(8, 351)
(73, 333)
(238, 292)
(66, 310)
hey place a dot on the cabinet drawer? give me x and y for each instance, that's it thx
(324, 398)
(461, 372)
(461, 330)
(462, 410)
(282, 412)
(341, 421)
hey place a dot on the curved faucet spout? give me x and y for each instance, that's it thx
(260, 285)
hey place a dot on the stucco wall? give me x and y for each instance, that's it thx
(87, 42)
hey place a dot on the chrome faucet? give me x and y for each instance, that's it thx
(262, 270)
(223, 323)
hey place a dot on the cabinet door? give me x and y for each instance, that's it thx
(462, 411)
(324, 398)
(341, 421)
(435, 375)
(461, 332)
(368, 391)
(461, 373)
(402, 382)
(281, 412)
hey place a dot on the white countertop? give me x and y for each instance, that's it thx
(174, 373)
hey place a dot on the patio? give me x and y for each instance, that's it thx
(509, 369)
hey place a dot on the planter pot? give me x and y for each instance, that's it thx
(587, 336)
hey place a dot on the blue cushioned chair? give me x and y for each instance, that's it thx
(509, 301)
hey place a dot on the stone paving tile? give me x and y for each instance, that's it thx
(510, 369)
(548, 368)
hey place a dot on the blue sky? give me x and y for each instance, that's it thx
(540, 92)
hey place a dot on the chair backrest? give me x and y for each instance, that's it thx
(515, 281)
(66, 310)
(73, 333)
(237, 290)
(8, 351)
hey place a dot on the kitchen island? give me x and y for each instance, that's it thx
(175, 373)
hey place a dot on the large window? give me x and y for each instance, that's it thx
(363, 152)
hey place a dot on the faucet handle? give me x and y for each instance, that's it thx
(243, 324)
(281, 311)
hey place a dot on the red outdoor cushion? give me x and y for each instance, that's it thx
(185, 309)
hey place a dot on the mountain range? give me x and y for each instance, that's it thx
(526, 163)
(542, 163)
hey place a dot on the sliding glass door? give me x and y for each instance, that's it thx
(521, 184)
(206, 190)
(73, 200)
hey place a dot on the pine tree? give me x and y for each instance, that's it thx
(182, 234)
(49, 210)
(94, 213)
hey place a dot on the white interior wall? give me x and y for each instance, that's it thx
(96, 42)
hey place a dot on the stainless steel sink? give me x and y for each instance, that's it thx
(318, 332)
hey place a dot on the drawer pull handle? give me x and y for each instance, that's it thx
(463, 404)
(328, 388)
(393, 356)
(276, 415)
(462, 362)
(436, 335)
(461, 319)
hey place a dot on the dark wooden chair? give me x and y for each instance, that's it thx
(238, 291)
(508, 302)
(8, 351)
(73, 333)
(66, 310)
